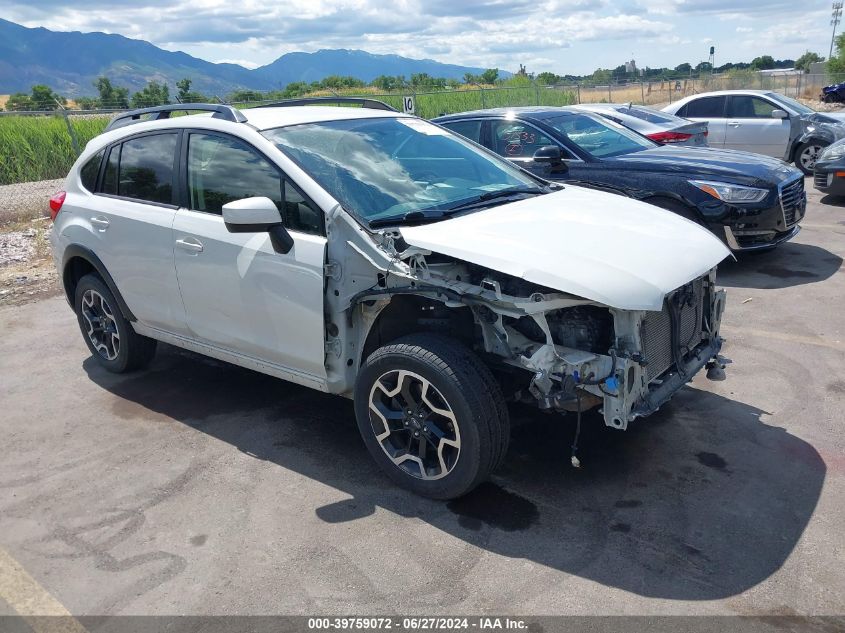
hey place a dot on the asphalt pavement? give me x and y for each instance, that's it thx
(195, 487)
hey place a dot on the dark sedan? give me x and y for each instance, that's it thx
(750, 201)
(829, 170)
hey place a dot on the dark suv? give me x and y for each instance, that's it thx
(750, 201)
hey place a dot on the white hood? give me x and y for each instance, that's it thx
(603, 247)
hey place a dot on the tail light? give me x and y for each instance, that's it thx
(56, 202)
(669, 137)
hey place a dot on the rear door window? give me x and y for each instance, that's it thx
(704, 108)
(146, 168)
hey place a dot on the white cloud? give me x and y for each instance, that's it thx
(565, 36)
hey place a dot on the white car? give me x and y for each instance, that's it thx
(764, 122)
(371, 254)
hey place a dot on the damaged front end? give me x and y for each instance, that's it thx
(816, 126)
(561, 352)
(581, 354)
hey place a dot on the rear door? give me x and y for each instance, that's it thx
(132, 218)
(239, 293)
(711, 110)
(750, 126)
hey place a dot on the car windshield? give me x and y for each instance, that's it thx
(789, 102)
(384, 168)
(600, 138)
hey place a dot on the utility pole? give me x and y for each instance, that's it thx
(835, 16)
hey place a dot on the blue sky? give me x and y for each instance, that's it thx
(563, 36)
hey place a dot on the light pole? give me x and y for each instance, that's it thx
(834, 21)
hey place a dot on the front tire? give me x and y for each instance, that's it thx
(431, 415)
(807, 154)
(108, 335)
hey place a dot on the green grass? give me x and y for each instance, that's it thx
(40, 148)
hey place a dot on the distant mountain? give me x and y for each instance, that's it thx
(70, 62)
(361, 64)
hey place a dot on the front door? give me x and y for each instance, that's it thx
(239, 293)
(750, 126)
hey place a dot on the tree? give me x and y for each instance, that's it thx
(489, 76)
(111, 96)
(294, 89)
(86, 103)
(184, 93)
(764, 62)
(684, 68)
(469, 78)
(704, 67)
(803, 62)
(19, 101)
(244, 96)
(43, 98)
(153, 94)
(548, 79)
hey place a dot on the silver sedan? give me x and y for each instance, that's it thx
(660, 127)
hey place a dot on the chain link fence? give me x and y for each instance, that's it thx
(43, 145)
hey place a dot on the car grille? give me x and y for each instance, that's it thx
(656, 333)
(791, 199)
(822, 180)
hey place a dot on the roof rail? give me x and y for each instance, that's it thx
(373, 104)
(221, 111)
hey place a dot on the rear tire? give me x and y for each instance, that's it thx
(107, 333)
(431, 415)
(807, 154)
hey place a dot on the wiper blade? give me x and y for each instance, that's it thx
(407, 217)
(492, 195)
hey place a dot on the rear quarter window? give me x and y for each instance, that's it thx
(91, 170)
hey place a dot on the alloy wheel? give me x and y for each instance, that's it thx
(414, 424)
(809, 156)
(101, 324)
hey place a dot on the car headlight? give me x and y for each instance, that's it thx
(730, 193)
(833, 152)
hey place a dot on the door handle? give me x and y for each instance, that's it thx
(190, 244)
(734, 123)
(100, 222)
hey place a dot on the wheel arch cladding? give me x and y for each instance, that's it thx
(79, 261)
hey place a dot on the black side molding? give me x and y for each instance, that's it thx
(82, 252)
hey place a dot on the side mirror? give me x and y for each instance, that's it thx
(255, 215)
(548, 154)
(777, 113)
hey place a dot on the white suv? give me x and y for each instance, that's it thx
(373, 255)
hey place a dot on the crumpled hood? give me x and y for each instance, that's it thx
(824, 125)
(610, 249)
